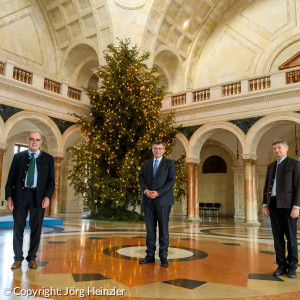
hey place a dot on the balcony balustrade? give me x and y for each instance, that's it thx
(52, 85)
(259, 83)
(201, 95)
(240, 89)
(293, 76)
(74, 93)
(1, 67)
(10, 71)
(22, 75)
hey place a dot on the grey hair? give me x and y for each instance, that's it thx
(29, 133)
(279, 141)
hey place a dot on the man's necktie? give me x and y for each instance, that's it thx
(155, 167)
(31, 169)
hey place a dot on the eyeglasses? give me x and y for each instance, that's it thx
(154, 148)
(34, 140)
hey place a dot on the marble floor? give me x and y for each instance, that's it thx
(215, 259)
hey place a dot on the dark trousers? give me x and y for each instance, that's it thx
(284, 225)
(20, 213)
(157, 215)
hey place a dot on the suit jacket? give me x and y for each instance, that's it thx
(287, 183)
(162, 182)
(17, 173)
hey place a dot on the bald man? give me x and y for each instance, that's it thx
(30, 186)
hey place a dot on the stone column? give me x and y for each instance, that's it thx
(2, 151)
(55, 197)
(254, 184)
(239, 198)
(196, 191)
(192, 191)
(251, 218)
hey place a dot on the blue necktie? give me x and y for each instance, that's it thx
(155, 167)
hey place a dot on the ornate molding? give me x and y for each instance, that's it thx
(55, 100)
(130, 4)
(292, 62)
(229, 102)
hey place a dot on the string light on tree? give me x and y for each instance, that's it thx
(124, 120)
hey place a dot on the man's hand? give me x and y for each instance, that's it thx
(155, 194)
(295, 213)
(151, 194)
(266, 211)
(148, 193)
(10, 204)
(46, 202)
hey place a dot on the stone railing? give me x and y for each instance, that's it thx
(1, 67)
(178, 100)
(22, 75)
(51, 85)
(74, 93)
(12, 72)
(259, 83)
(292, 77)
(201, 95)
(232, 90)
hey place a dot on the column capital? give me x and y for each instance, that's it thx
(58, 159)
(192, 160)
(2, 150)
(249, 156)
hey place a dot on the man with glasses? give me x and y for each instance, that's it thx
(30, 186)
(156, 179)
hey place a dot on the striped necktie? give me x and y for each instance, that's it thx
(31, 169)
(155, 167)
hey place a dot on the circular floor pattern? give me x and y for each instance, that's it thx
(135, 252)
(235, 232)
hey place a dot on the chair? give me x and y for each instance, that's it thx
(201, 209)
(208, 207)
(217, 208)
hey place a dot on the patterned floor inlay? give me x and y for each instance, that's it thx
(206, 261)
(88, 277)
(185, 283)
(270, 277)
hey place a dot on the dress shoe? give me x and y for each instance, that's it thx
(16, 265)
(164, 262)
(32, 264)
(146, 260)
(292, 273)
(280, 271)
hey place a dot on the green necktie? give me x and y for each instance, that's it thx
(31, 169)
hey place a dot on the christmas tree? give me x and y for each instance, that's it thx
(124, 122)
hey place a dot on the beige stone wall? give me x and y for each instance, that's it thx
(257, 37)
(218, 187)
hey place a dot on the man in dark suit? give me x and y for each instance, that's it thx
(156, 179)
(281, 201)
(30, 186)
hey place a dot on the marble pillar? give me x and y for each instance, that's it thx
(2, 151)
(55, 197)
(251, 216)
(192, 191)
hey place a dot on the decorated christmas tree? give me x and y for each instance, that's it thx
(124, 121)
